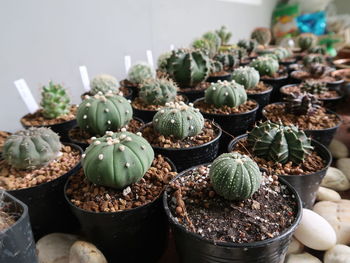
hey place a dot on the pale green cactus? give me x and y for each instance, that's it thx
(158, 91)
(262, 35)
(162, 61)
(140, 72)
(224, 35)
(104, 83)
(55, 101)
(247, 76)
(265, 65)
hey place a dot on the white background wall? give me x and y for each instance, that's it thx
(42, 40)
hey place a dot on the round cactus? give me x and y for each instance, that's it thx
(235, 176)
(215, 66)
(282, 53)
(248, 44)
(318, 50)
(55, 101)
(31, 148)
(278, 143)
(158, 91)
(313, 87)
(102, 113)
(306, 41)
(104, 83)
(313, 58)
(117, 159)
(139, 73)
(179, 120)
(228, 60)
(247, 76)
(262, 35)
(214, 42)
(301, 104)
(162, 61)
(225, 93)
(265, 65)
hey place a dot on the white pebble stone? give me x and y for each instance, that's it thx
(344, 165)
(338, 149)
(302, 258)
(336, 180)
(85, 252)
(338, 254)
(325, 194)
(295, 247)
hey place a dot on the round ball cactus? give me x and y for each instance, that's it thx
(55, 101)
(235, 176)
(104, 83)
(140, 72)
(117, 159)
(278, 143)
(225, 93)
(248, 44)
(102, 113)
(318, 50)
(247, 76)
(31, 148)
(265, 65)
(158, 91)
(228, 59)
(313, 58)
(179, 120)
(306, 41)
(262, 35)
(314, 87)
(162, 61)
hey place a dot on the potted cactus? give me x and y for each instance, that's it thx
(229, 60)
(222, 212)
(56, 111)
(249, 45)
(217, 71)
(35, 168)
(262, 35)
(117, 197)
(305, 42)
(287, 152)
(179, 131)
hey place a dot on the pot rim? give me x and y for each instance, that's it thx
(337, 82)
(282, 90)
(263, 92)
(46, 126)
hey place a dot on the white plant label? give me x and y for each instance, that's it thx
(85, 78)
(127, 63)
(172, 47)
(26, 95)
(150, 58)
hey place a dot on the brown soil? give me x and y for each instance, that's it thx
(209, 133)
(125, 91)
(304, 75)
(140, 105)
(127, 83)
(211, 109)
(94, 198)
(195, 205)
(281, 73)
(7, 219)
(81, 136)
(37, 118)
(317, 121)
(329, 94)
(13, 179)
(3, 137)
(200, 87)
(219, 74)
(260, 88)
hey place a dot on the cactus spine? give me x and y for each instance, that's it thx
(158, 91)
(247, 76)
(55, 101)
(104, 83)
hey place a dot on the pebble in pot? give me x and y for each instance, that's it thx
(335, 179)
(338, 149)
(85, 252)
(325, 194)
(302, 258)
(337, 254)
(343, 164)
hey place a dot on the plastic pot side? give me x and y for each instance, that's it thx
(276, 84)
(262, 99)
(213, 79)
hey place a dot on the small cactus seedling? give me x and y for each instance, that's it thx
(279, 143)
(215, 66)
(31, 148)
(306, 41)
(224, 35)
(262, 35)
(162, 61)
(104, 83)
(178, 120)
(102, 113)
(247, 76)
(313, 58)
(318, 50)
(158, 91)
(225, 93)
(248, 44)
(140, 72)
(55, 101)
(117, 159)
(313, 87)
(265, 65)
(317, 70)
(235, 176)
(302, 104)
(228, 59)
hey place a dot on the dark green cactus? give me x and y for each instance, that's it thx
(265, 65)
(313, 87)
(262, 35)
(318, 50)
(55, 101)
(104, 83)
(228, 59)
(162, 61)
(317, 70)
(31, 148)
(117, 159)
(235, 176)
(140, 72)
(247, 76)
(301, 104)
(215, 66)
(178, 120)
(278, 143)
(248, 44)
(224, 35)
(158, 91)
(102, 113)
(306, 41)
(313, 58)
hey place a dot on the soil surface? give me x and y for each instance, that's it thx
(200, 87)
(140, 105)
(281, 73)
(329, 94)
(304, 75)
(3, 137)
(211, 109)
(219, 74)
(261, 87)
(7, 218)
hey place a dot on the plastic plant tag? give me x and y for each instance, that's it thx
(26, 95)
(150, 58)
(85, 78)
(127, 62)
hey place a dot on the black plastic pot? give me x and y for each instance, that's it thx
(213, 79)
(305, 184)
(194, 248)
(131, 86)
(136, 235)
(276, 84)
(262, 99)
(184, 158)
(48, 210)
(129, 96)
(16, 242)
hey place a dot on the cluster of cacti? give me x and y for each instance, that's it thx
(313, 58)
(306, 41)
(101, 113)
(301, 103)
(31, 148)
(247, 76)
(224, 35)
(228, 59)
(318, 50)
(117, 159)
(158, 91)
(279, 143)
(188, 67)
(178, 120)
(104, 83)
(239, 52)
(162, 61)
(215, 66)
(235, 176)
(265, 65)
(262, 35)
(140, 72)
(313, 87)
(248, 44)
(317, 70)
(282, 53)
(55, 101)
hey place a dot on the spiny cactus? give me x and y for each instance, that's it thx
(235, 176)
(215, 66)
(301, 104)
(318, 50)
(306, 41)
(158, 91)
(162, 61)
(247, 76)
(278, 143)
(214, 42)
(282, 53)
(227, 59)
(138, 73)
(313, 87)
(117, 159)
(224, 35)
(265, 65)
(55, 101)
(262, 35)
(31, 148)
(248, 44)
(104, 83)
(225, 93)
(188, 67)
(179, 120)
(313, 58)
(317, 70)
(102, 113)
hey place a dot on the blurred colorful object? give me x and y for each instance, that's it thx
(283, 19)
(329, 42)
(312, 23)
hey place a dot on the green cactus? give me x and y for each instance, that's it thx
(117, 159)
(104, 83)
(158, 91)
(248, 44)
(306, 41)
(313, 58)
(313, 87)
(102, 113)
(215, 66)
(282, 53)
(265, 65)
(235, 176)
(317, 70)
(225, 93)
(228, 60)
(278, 143)
(214, 42)
(301, 104)
(55, 101)
(318, 50)
(178, 120)
(239, 52)
(140, 72)
(262, 35)
(162, 61)
(201, 44)
(247, 76)
(224, 35)
(31, 148)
